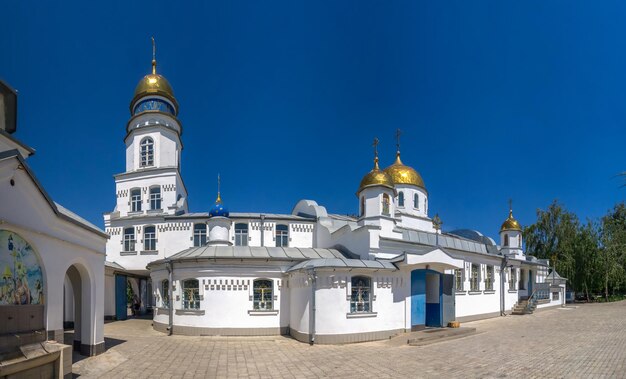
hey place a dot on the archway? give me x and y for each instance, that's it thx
(77, 309)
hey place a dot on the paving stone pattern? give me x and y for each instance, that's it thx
(584, 342)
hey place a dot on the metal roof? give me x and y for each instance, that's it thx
(444, 240)
(247, 215)
(343, 263)
(114, 265)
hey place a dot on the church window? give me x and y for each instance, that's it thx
(165, 294)
(199, 235)
(282, 235)
(512, 278)
(191, 294)
(147, 152)
(475, 278)
(362, 206)
(149, 238)
(241, 234)
(155, 198)
(360, 296)
(489, 279)
(458, 279)
(506, 240)
(135, 200)
(263, 294)
(386, 204)
(401, 199)
(129, 239)
(416, 201)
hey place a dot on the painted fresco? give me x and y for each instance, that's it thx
(22, 278)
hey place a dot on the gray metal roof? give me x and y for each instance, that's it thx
(114, 265)
(247, 215)
(445, 240)
(343, 263)
(75, 217)
(250, 252)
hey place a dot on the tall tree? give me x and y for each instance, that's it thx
(613, 248)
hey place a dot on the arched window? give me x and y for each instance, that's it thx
(401, 199)
(360, 296)
(129, 239)
(362, 206)
(282, 235)
(263, 294)
(506, 240)
(147, 152)
(241, 234)
(135, 200)
(416, 201)
(386, 204)
(149, 238)
(191, 294)
(199, 235)
(155, 198)
(165, 294)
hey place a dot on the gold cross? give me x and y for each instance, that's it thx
(398, 134)
(375, 144)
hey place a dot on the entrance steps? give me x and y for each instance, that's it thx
(428, 336)
(522, 308)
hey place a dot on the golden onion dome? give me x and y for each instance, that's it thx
(401, 174)
(376, 177)
(154, 84)
(510, 224)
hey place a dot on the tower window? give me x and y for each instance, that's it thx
(263, 294)
(155, 198)
(386, 204)
(401, 199)
(135, 200)
(241, 234)
(282, 235)
(199, 235)
(506, 240)
(129, 239)
(416, 201)
(360, 299)
(147, 152)
(362, 206)
(149, 238)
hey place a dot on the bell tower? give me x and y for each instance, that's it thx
(511, 236)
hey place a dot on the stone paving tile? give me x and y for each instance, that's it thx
(583, 342)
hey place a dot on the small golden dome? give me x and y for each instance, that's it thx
(401, 174)
(510, 224)
(376, 177)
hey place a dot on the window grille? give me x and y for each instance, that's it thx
(241, 234)
(489, 279)
(147, 152)
(129, 239)
(512, 278)
(475, 278)
(458, 279)
(360, 297)
(282, 235)
(155, 198)
(149, 238)
(199, 235)
(263, 291)
(191, 294)
(165, 294)
(135, 200)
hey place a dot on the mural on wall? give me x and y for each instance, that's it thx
(22, 278)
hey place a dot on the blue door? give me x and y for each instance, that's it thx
(121, 312)
(426, 302)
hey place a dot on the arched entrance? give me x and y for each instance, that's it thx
(77, 309)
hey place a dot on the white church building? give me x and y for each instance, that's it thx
(317, 276)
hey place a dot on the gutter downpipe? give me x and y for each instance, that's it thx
(312, 311)
(502, 268)
(169, 265)
(262, 230)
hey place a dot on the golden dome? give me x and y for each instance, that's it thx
(510, 224)
(154, 84)
(401, 174)
(376, 177)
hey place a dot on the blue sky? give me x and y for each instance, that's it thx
(497, 99)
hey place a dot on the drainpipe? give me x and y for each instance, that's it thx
(169, 265)
(502, 268)
(312, 310)
(262, 230)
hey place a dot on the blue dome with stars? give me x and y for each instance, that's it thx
(218, 209)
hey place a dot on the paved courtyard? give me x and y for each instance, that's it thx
(582, 342)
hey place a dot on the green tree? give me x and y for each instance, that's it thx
(613, 248)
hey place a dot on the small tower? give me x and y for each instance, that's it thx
(376, 196)
(219, 223)
(511, 236)
(411, 194)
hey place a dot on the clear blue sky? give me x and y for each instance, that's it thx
(497, 99)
